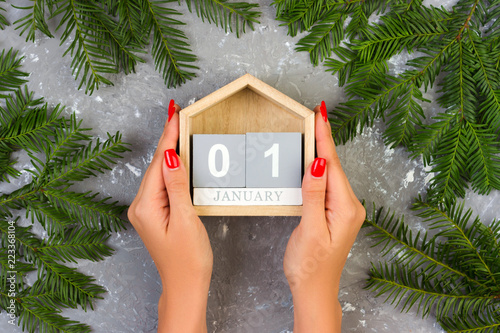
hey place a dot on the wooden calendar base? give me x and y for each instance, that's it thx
(247, 196)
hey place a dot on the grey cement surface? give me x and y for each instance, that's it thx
(248, 292)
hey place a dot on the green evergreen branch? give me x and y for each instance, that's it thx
(170, 52)
(308, 13)
(122, 54)
(463, 293)
(462, 323)
(47, 319)
(396, 233)
(323, 37)
(68, 137)
(78, 224)
(462, 42)
(33, 21)
(397, 291)
(30, 130)
(68, 284)
(429, 137)
(87, 43)
(77, 243)
(10, 77)
(451, 160)
(390, 39)
(83, 207)
(221, 12)
(484, 165)
(17, 104)
(489, 89)
(406, 115)
(453, 227)
(109, 36)
(6, 169)
(84, 162)
(53, 220)
(3, 20)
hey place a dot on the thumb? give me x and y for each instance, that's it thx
(176, 181)
(313, 191)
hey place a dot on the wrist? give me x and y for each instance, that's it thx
(183, 310)
(317, 310)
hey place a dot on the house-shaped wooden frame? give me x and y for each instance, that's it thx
(246, 105)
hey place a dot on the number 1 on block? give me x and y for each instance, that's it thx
(274, 151)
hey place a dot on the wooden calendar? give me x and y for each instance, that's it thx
(246, 147)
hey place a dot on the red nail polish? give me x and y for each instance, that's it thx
(318, 167)
(323, 111)
(171, 109)
(171, 159)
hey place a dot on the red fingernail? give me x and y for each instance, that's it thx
(323, 111)
(171, 109)
(318, 167)
(171, 159)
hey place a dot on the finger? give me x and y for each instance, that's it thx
(175, 180)
(313, 192)
(152, 182)
(336, 182)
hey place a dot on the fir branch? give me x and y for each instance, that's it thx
(430, 135)
(77, 243)
(3, 20)
(226, 14)
(487, 80)
(6, 163)
(170, 52)
(47, 319)
(453, 224)
(452, 274)
(83, 207)
(345, 66)
(53, 220)
(390, 38)
(472, 323)
(463, 43)
(484, 160)
(414, 290)
(90, 58)
(449, 160)
(105, 37)
(417, 251)
(16, 105)
(323, 37)
(30, 130)
(71, 286)
(83, 163)
(78, 224)
(131, 21)
(298, 15)
(33, 21)
(406, 115)
(10, 77)
(122, 49)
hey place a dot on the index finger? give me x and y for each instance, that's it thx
(337, 187)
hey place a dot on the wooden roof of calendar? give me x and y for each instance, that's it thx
(255, 85)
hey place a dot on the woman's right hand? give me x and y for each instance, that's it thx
(164, 217)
